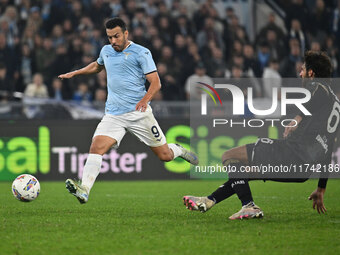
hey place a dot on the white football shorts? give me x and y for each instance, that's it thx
(141, 124)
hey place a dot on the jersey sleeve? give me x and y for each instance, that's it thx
(146, 61)
(322, 183)
(100, 59)
(319, 95)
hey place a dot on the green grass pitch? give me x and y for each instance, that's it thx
(149, 218)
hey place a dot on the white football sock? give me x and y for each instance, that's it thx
(91, 170)
(175, 149)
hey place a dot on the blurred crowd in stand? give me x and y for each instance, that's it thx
(188, 39)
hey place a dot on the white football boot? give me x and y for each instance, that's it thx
(201, 204)
(188, 155)
(77, 190)
(248, 211)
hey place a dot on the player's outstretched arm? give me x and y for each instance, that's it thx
(155, 86)
(91, 68)
(317, 197)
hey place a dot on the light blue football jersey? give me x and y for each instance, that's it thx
(126, 72)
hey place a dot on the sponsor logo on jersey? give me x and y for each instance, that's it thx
(323, 142)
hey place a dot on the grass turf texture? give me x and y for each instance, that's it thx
(149, 218)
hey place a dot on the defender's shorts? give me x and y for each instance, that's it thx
(274, 152)
(271, 151)
(141, 124)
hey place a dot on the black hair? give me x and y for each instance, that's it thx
(319, 63)
(115, 22)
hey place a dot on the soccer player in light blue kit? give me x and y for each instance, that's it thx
(127, 65)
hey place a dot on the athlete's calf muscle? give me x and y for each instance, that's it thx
(163, 152)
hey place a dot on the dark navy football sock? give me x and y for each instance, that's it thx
(242, 189)
(223, 192)
(232, 186)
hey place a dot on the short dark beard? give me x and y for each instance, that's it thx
(306, 80)
(122, 47)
